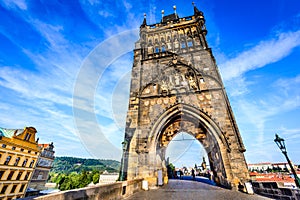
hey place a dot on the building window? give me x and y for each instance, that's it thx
(1, 174)
(19, 175)
(10, 175)
(27, 136)
(24, 163)
(156, 49)
(31, 163)
(13, 189)
(17, 161)
(190, 43)
(22, 150)
(4, 189)
(4, 145)
(22, 188)
(29, 151)
(163, 49)
(183, 45)
(40, 176)
(13, 148)
(7, 160)
(27, 176)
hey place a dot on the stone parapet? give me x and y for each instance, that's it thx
(271, 190)
(118, 190)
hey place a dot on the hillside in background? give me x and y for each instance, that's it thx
(71, 164)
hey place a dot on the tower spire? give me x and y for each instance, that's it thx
(196, 11)
(144, 21)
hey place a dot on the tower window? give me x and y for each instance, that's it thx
(156, 49)
(7, 160)
(3, 145)
(183, 45)
(163, 49)
(190, 43)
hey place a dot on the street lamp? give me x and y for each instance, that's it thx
(124, 145)
(280, 143)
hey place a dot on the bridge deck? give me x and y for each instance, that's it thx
(185, 189)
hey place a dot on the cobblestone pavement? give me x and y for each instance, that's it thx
(182, 189)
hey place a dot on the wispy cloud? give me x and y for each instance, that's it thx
(258, 111)
(12, 4)
(266, 52)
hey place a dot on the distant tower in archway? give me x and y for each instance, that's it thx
(176, 87)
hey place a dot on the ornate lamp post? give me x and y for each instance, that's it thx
(280, 143)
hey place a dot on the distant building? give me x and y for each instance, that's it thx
(106, 177)
(259, 166)
(282, 166)
(268, 165)
(19, 152)
(43, 167)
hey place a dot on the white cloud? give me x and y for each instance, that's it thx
(11, 4)
(264, 53)
(105, 14)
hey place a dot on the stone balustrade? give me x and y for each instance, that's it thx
(117, 190)
(271, 190)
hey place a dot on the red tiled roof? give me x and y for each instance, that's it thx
(271, 177)
(44, 145)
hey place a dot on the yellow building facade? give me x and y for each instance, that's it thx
(19, 152)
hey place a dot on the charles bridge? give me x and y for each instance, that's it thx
(132, 190)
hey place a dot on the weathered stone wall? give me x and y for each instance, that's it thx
(111, 191)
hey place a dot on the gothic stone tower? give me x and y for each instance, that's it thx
(176, 87)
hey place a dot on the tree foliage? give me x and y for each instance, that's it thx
(71, 173)
(71, 164)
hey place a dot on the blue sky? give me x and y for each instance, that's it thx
(65, 69)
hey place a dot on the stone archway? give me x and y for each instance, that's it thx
(185, 118)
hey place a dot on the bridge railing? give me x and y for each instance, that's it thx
(117, 190)
(271, 190)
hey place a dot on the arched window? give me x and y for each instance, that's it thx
(7, 160)
(31, 163)
(19, 175)
(17, 161)
(27, 136)
(27, 176)
(156, 49)
(24, 162)
(10, 175)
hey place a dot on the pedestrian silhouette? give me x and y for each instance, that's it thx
(193, 174)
